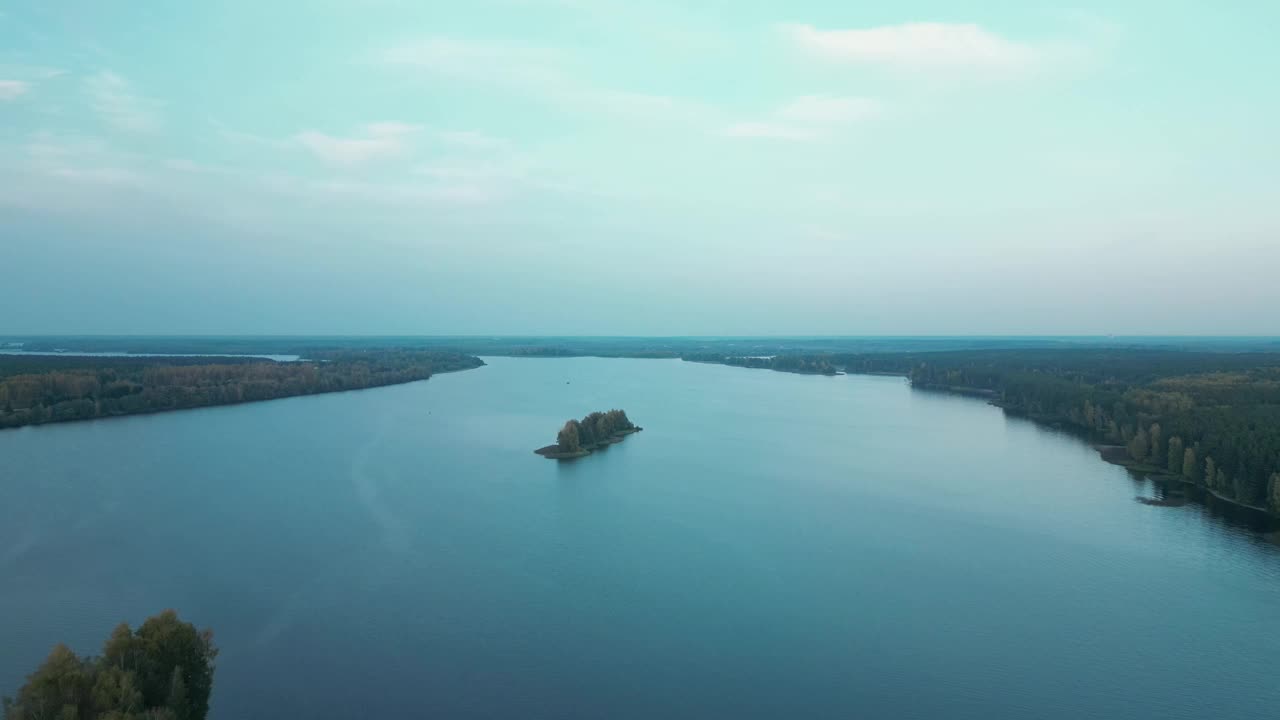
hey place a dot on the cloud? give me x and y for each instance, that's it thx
(544, 74)
(116, 102)
(769, 131)
(12, 89)
(410, 195)
(379, 141)
(807, 118)
(924, 44)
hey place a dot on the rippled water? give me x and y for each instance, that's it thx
(772, 545)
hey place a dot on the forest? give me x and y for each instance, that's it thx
(37, 389)
(579, 437)
(1209, 418)
(161, 671)
(804, 364)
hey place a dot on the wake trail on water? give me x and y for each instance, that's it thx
(394, 531)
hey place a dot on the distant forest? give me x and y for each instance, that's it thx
(58, 388)
(1204, 409)
(1209, 418)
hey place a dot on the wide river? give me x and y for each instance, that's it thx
(771, 546)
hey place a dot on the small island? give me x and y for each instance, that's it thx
(578, 438)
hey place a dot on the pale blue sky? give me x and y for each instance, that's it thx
(616, 167)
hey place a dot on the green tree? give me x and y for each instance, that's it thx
(177, 701)
(1176, 455)
(61, 688)
(1210, 473)
(1156, 456)
(1190, 468)
(122, 684)
(169, 644)
(1139, 446)
(568, 438)
(115, 693)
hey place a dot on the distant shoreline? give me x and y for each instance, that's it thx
(55, 389)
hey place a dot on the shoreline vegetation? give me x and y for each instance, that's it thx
(1205, 410)
(36, 390)
(1209, 421)
(579, 438)
(161, 671)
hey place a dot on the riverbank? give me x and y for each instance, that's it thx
(40, 390)
(1119, 455)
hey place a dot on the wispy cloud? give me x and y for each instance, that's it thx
(922, 44)
(115, 100)
(379, 141)
(13, 89)
(546, 74)
(405, 194)
(807, 118)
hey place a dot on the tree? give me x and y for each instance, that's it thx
(60, 688)
(1190, 468)
(1156, 456)
(1210, 473)
(1176, 455)
(1139, 446)
(129, 681)
(115, 693)
(1273, 492)
(169, 644)
(567, 439)
(177, 701)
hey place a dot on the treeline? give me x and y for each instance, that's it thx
(592, 431)
(1211, 418)
(806, 364)
(36, 390)
(161, 671)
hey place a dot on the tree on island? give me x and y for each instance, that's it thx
(592, 431)
(163, 671)
(569, 437)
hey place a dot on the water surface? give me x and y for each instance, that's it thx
(772, 545)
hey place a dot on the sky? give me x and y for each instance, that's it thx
(608, 167)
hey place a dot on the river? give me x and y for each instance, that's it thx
(772, 545)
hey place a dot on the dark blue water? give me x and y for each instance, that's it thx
(772, 546)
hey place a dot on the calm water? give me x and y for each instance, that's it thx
(771, 546)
